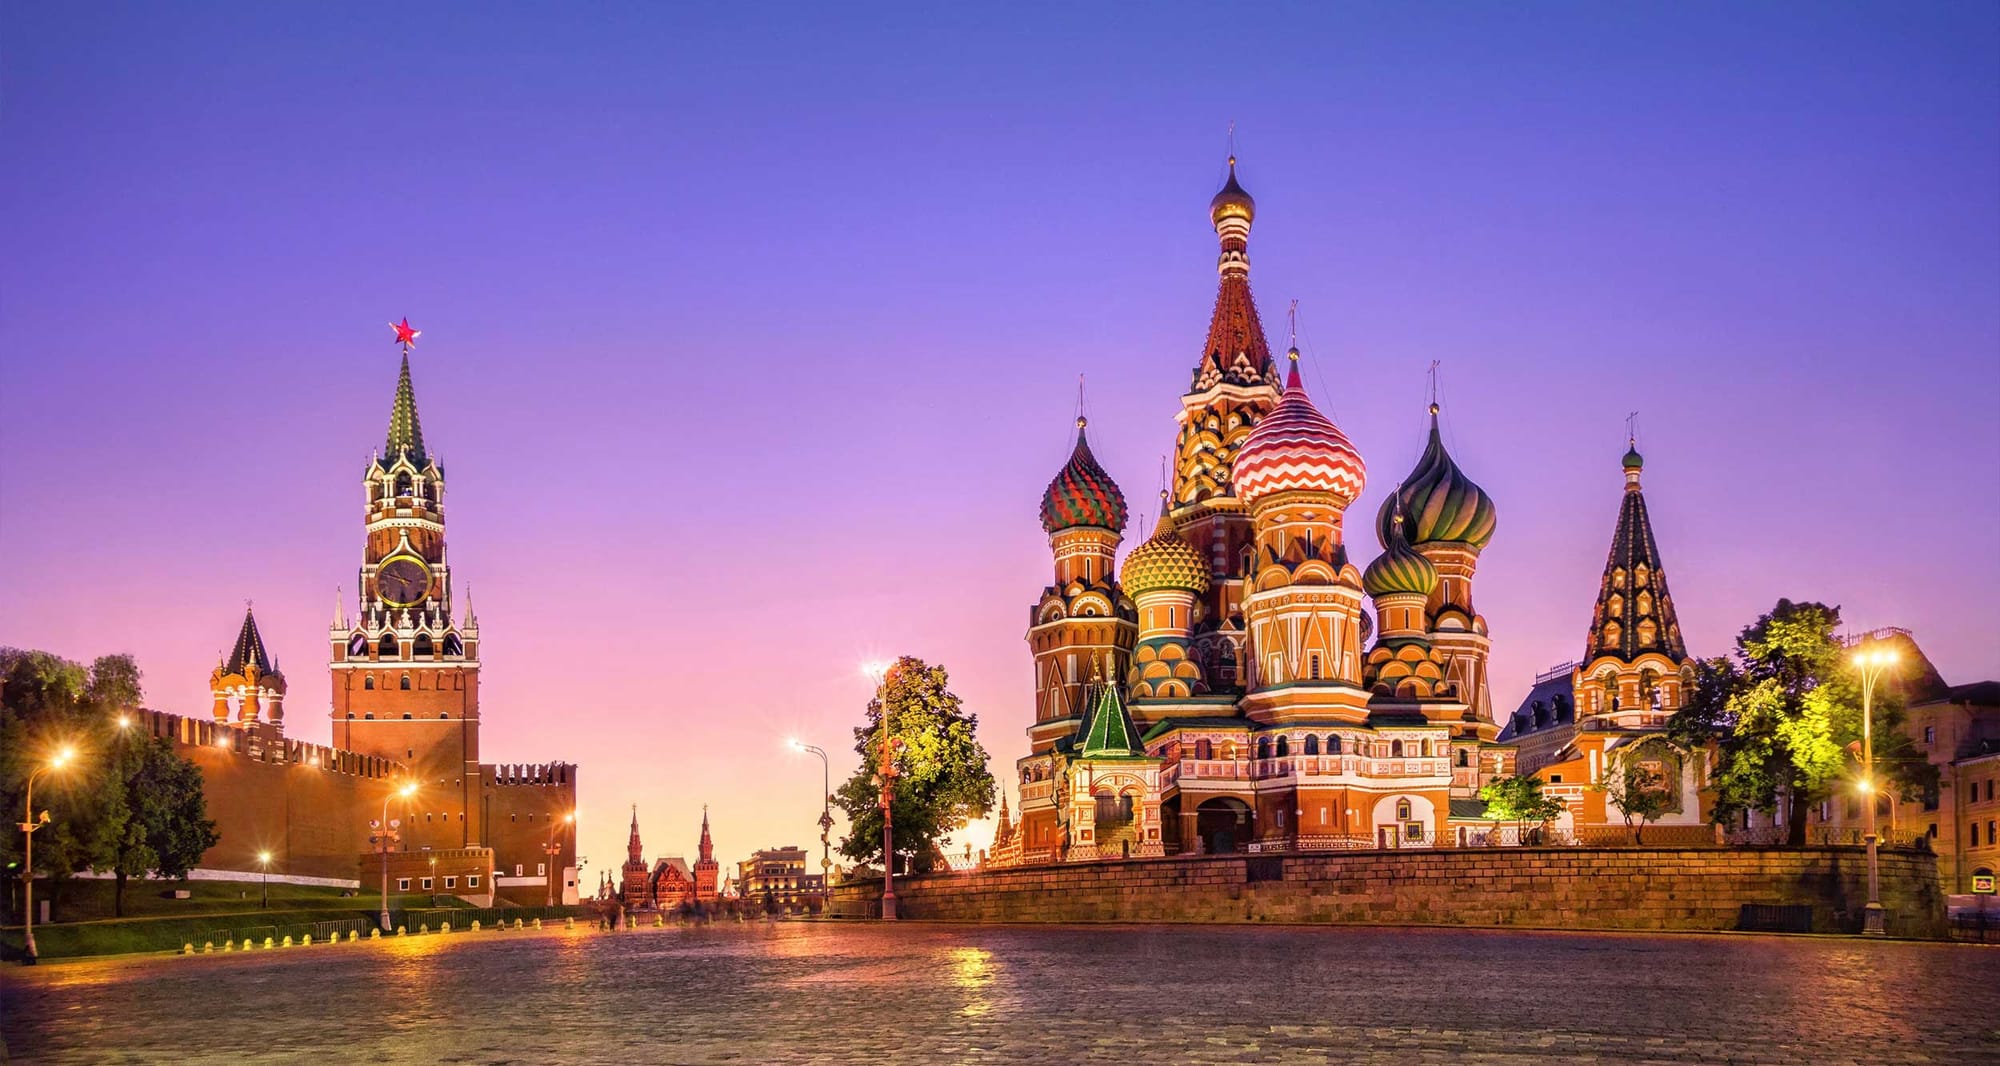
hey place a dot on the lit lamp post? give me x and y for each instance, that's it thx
(553, 849)
(1871, 663)
(385, 834)
(825, 816)
(264, 860)
(434, 880)
(879, 671)
(28, 827)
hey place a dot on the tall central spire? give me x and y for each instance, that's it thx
(406, 434)
(1235, 352)
(1635, 613)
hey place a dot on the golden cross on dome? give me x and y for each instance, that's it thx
(406, 335)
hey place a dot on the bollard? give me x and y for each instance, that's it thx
(374, 934)
(288, 942)
(569, 923)
(538, 923)
(423, 928)
(659, 921)
(307, 941)
(207, 947)
(353, 935)
(229, 945)
(475, 925)
(268, 943)
(517, 922)
(187, 949)
(444, 927)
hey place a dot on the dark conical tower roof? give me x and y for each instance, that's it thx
(1109, 732)
(406, 433)
(249, 648)
(1633, 597)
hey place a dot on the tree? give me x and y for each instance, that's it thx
(1639, 792)
(942, 780)
(123, 805)
(1783, 714)
(1519, 799)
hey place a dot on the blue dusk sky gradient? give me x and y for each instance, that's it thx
(751, 334)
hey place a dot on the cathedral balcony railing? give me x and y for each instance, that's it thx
(1037, 792)
(1208, 770)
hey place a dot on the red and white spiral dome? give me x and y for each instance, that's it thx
(1297, 449)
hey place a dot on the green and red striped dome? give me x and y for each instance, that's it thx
(1439, 503)
(1399, 569)
(1082, 494)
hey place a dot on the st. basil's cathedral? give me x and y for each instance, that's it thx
(1226, 689)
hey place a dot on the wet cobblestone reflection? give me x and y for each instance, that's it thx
(799, 993)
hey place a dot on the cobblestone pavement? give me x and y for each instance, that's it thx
(802, 992)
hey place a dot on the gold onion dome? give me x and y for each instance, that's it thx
(1165, 561)
(1399, 570)
(1438, 503)
(1232, 201)
(1295, 448)
(1082, 494)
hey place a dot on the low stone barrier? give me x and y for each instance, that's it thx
(1627, 888)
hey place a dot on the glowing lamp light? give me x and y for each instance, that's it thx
(569, 818)
(875, 670)
(124, 721)
(1865, 786)
(264, 857)
(62, 756)
(407, 790)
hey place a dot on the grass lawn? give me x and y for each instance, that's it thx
(218, 911)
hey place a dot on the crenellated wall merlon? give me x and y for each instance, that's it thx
(262, 743)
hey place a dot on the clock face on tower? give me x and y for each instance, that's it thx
(402, 581)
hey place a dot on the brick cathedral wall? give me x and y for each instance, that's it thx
(1550, 888)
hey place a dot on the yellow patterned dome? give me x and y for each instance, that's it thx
(1164, 561)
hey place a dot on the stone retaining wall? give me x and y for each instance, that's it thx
(1556, 888)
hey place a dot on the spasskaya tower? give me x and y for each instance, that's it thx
(405, 672)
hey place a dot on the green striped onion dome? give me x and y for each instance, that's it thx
(1082, 494)
(1399, 570)
(1164, 561)
(1439, 503)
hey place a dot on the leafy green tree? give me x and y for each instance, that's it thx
(123, 805)
(1784, 715)
(1519, 800)
(942, 779)
(1641, 794)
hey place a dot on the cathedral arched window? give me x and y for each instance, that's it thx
(1611, 634)
(1263, 747)
(1312, 744)
(1463, 758)
(452, 645)
(1639, 578)
(424, 648)
(1402, 810)
(1616, 605)
(402, 484)
(1333, 743)
(1395, 749)
(1645, 603)
(1203, 749)
(1284, 747)
(387, 646)
(1647, 631)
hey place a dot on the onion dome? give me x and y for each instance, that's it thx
(1294, 449)
(1232, 201)
(1438, 503)
(1632, 458)
(1165, 561)
(1399, 570)
(1082, 494)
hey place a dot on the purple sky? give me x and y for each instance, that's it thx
(750, 345)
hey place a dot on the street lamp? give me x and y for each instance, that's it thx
(56, 762)
(1871, 663)
(385, 834)
(434, 881)
(553, 849)
(879, 672)
(825, 817)
(264, 860)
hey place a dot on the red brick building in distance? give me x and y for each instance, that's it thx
(669, 882)
(405, 711)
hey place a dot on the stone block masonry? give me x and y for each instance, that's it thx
(1649, 889)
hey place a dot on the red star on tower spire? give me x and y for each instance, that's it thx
(406, 335)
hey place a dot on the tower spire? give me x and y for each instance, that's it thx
(406, 433)
(1635, 612)
(1235, 351)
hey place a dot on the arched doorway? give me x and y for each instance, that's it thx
(1223, 824)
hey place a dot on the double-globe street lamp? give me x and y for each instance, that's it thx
(1871, 661)
(385, 834)
(879, 672)
(28, 826)
(825, 817)
(553, 849)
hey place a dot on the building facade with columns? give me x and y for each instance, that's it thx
(1226, 688)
